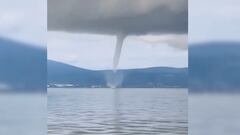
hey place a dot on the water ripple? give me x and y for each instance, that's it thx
(117, 112)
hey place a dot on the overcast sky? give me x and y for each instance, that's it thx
(83, 33)
(214, 20)
(208, 20)
(96, 52)
(24, 20)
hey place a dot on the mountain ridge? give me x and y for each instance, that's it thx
(23, 66)
(214, 67)
(129, 75)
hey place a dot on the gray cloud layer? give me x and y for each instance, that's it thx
(133, 17)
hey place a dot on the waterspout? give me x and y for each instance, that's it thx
(119, 44)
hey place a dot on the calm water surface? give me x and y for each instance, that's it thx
(117, 111)
(214, 114)
(23, 114)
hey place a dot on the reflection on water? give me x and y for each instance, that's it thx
(117, 111)
(23, 114)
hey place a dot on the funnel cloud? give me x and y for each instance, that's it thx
(118, 49)
(122, 18)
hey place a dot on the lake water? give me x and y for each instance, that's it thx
(214, 114)
(74, 111)
(23, 114)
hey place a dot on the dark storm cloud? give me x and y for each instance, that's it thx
(135, 17)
